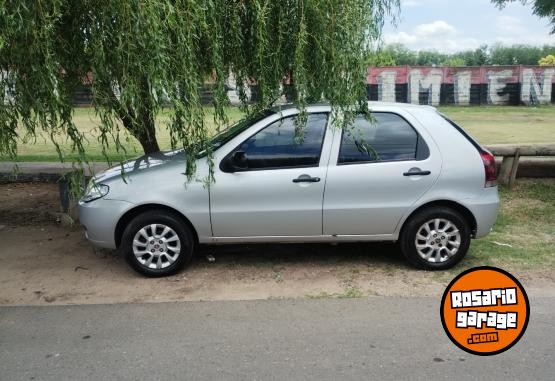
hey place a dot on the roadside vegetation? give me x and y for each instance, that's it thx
(524, 234)
(488, 124)
(497, 54)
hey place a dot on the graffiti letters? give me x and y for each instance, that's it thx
(496, 85)
(462, 88)
(386, 86)
(429, 85)
(536, 91)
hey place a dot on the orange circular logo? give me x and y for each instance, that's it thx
(485, 311)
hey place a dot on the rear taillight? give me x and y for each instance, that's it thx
(490, 168)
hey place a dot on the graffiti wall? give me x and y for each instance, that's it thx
(495, 85)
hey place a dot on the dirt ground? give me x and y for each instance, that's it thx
(46, 263)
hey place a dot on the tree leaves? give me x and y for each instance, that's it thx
(144, 56)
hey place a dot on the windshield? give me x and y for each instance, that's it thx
(235, 129)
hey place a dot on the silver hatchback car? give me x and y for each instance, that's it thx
(407, 174)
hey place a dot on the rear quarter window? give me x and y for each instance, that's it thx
(386, 137)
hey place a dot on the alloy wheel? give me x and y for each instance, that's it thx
(437, 240)
(156, 246)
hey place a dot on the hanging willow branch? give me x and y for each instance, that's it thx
(142, 56)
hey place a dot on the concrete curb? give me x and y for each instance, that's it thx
(42, 171)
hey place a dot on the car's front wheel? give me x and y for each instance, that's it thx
(157, 243)
(436, 238)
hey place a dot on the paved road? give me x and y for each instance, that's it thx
(374, 338)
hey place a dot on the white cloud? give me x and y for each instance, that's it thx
(400, 38)
(436, 35)
(436, 28)
(449, 26)
(510, 25)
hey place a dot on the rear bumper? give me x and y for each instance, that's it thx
(485, 208)
(100, 218)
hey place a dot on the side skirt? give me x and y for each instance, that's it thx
(300, 239)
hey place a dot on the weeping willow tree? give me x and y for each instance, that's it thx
(142, 56)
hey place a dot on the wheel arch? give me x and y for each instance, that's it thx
(463, 210)
(134, 212)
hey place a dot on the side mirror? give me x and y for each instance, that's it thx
(238, 161)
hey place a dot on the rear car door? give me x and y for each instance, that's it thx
(280, 192)
(378, 169)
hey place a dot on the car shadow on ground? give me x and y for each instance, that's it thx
(260, 255)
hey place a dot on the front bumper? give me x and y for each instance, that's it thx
(100, 218)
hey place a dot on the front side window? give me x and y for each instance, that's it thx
(385, 137)
(279, 146)
(228, 134)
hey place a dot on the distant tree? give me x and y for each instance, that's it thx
(542, 8)
(495, 55)
(548, 50)
(481, 56)
(477, 57)
(381, 58)
(547, 60)
(430, 58)
(401, 54)
(454, 61)
(515, 55)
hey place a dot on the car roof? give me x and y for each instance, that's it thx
(371, 105)
(406, 106)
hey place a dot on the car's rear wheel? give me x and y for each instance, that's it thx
(157, 243)
(436, 238)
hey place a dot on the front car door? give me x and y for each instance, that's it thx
(378, 169)
(280, 192)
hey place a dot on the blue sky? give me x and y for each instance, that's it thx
(454, 25)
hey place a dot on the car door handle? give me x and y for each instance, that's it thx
(417, 173)
(303, 179)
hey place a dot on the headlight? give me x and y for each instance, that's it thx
(95, 191)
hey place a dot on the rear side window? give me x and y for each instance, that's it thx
(386, 137)
(278, 146)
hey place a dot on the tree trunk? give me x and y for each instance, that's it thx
(143, 126)
(145, 133)
(147, 137)
(150, 145)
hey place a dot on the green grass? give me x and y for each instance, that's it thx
(42, 149)
(506, 124)
(490, 125)
(526, 223)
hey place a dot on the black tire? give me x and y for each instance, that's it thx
(414, 224)
(171, 220)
